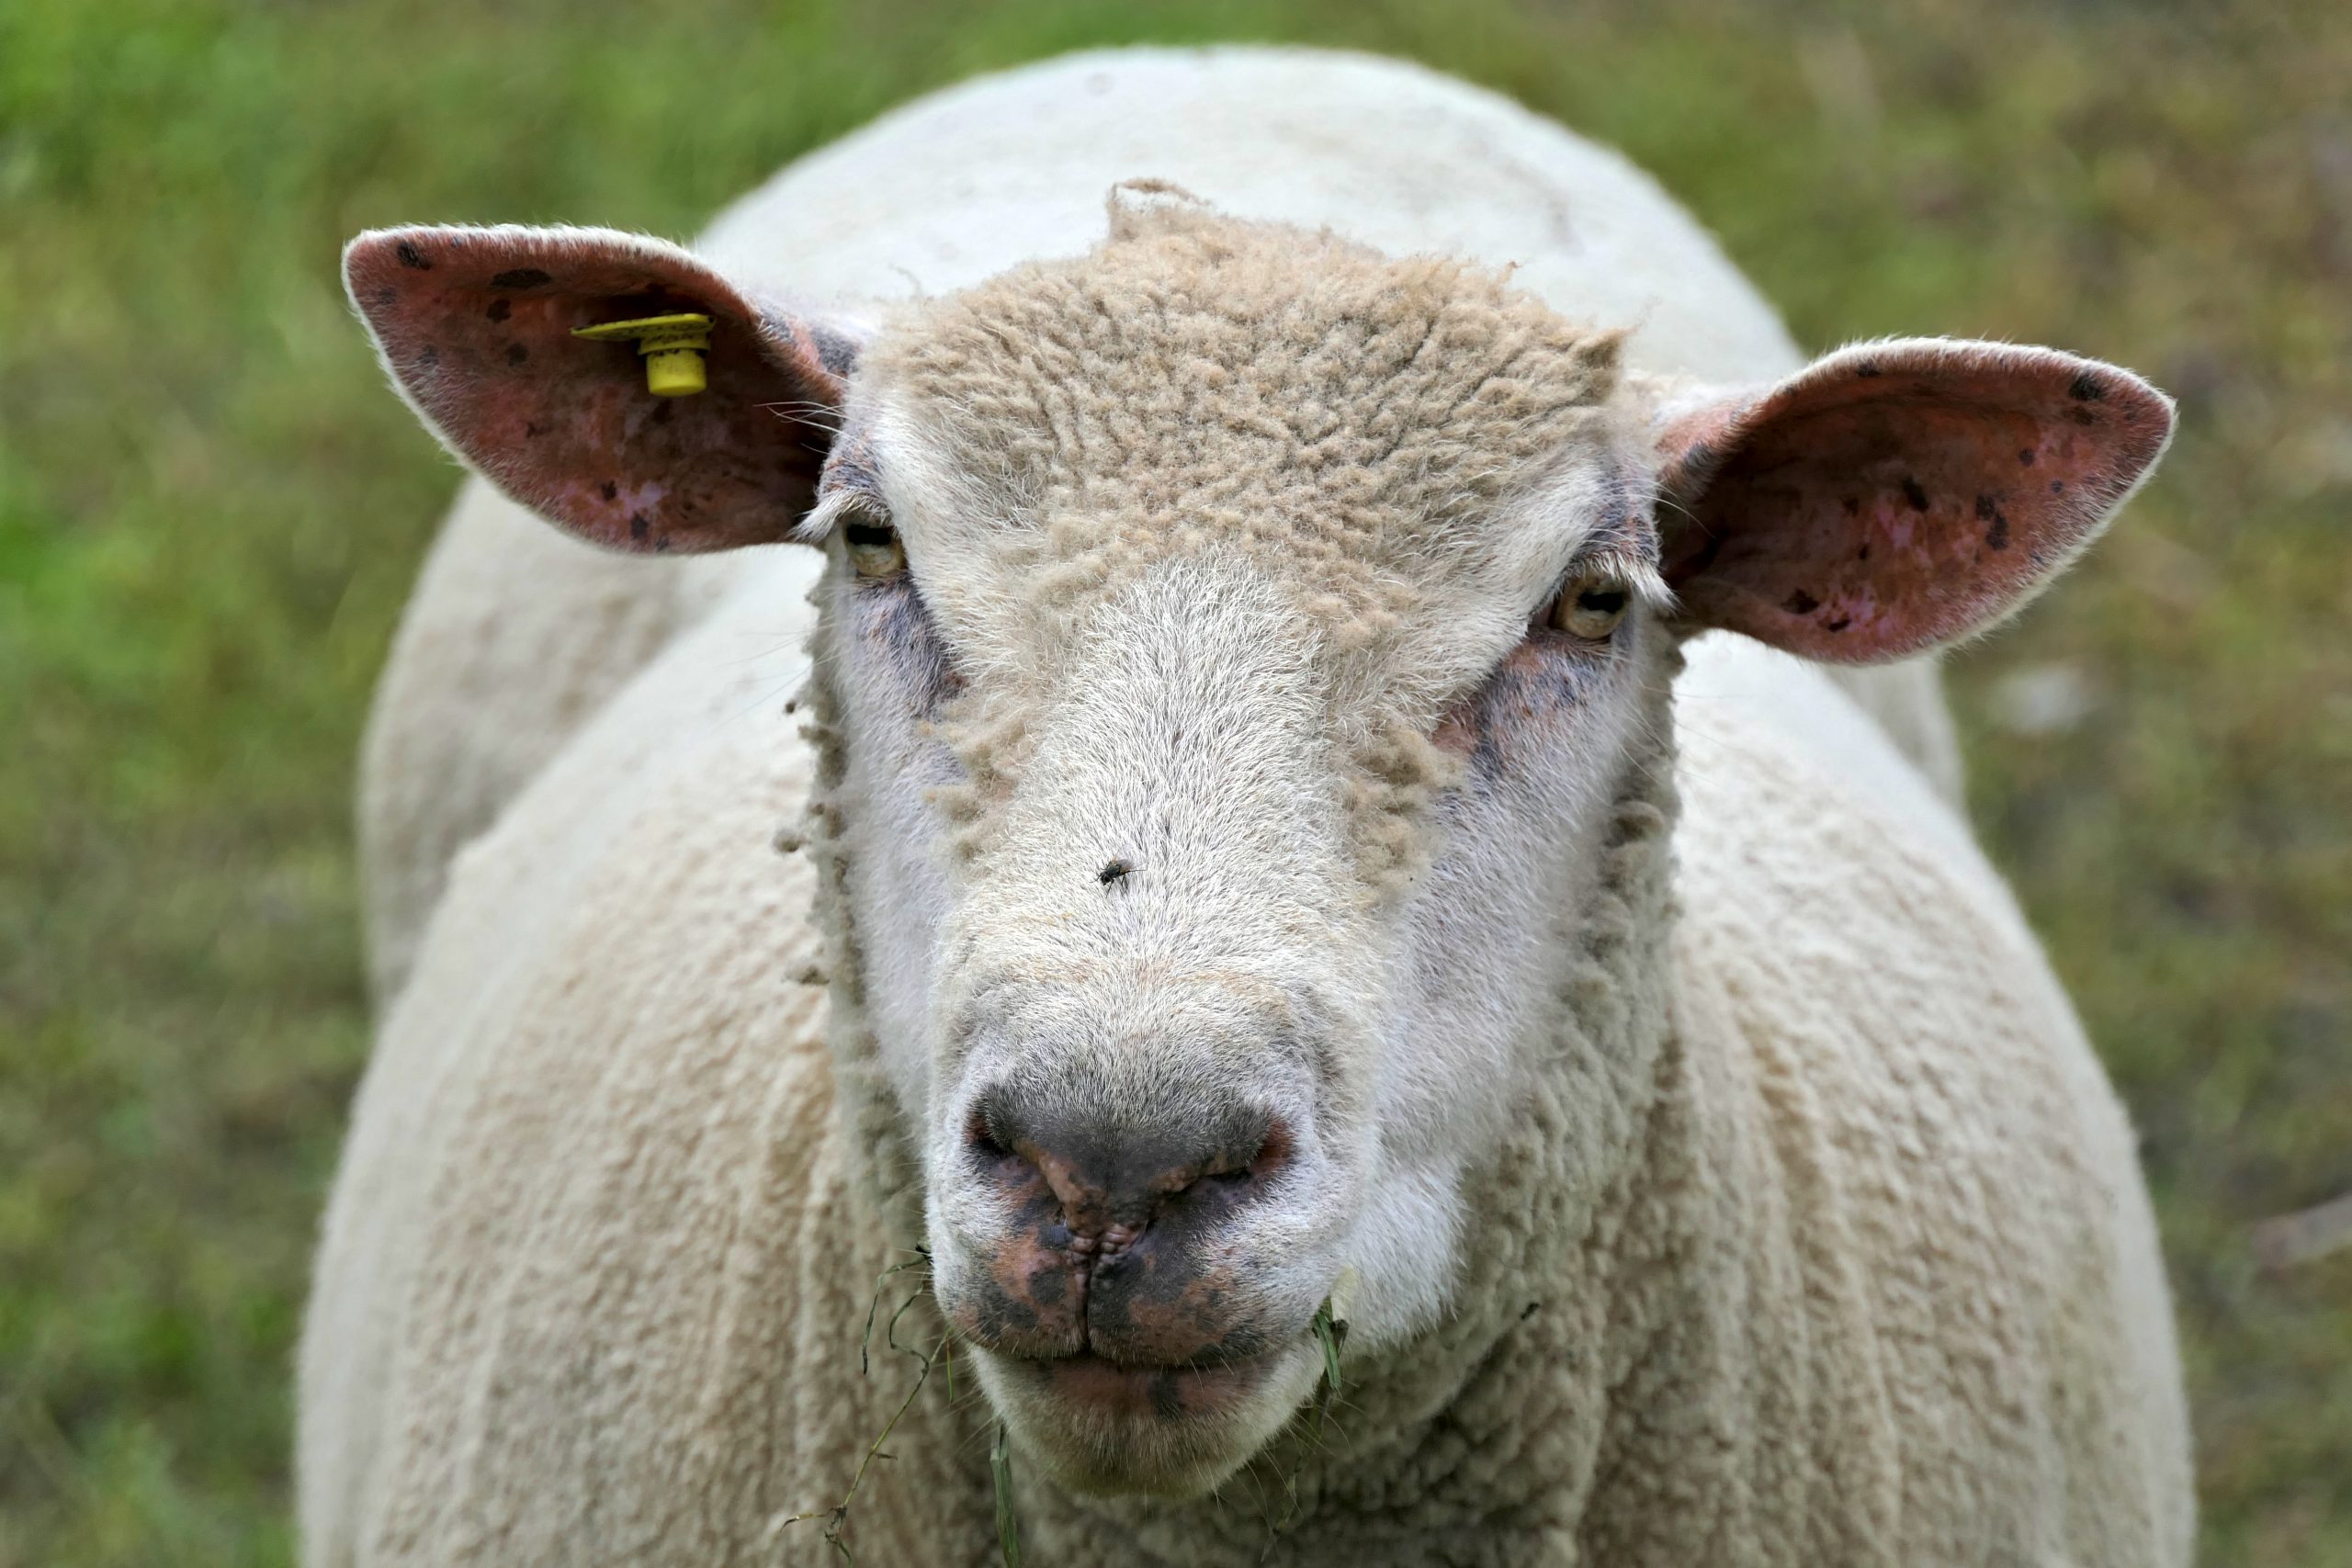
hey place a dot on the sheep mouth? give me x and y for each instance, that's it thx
(1165, 1393)
(1171, 1430)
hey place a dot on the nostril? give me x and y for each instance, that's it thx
(1243, 1163)
(982, 1137)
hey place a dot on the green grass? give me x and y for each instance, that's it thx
(210, 513)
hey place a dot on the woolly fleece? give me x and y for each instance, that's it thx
(1177, 394)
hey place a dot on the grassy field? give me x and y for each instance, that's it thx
(210, 511)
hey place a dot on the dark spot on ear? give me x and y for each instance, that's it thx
(517, 354)
(428, 357)
(1914, 494)
(520, 277)
(2025, 456)
(1801, 603)
(1996, 537)
(609, 489)
(1868, 368)
(2086, 389)
(411, 257)
(386, 295)
(2082, 416)
(531, 432)
(500, 309)
(1116, 870)
(1863, 554)
(1839, 625)
(638, 525)
(1853, 505)
(2057, 487)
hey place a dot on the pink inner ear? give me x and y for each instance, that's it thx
(477, 325)
(1896, 495)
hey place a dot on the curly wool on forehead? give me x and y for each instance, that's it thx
(1200, 381)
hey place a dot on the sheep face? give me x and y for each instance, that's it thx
(1236, 637)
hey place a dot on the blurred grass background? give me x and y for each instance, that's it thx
(210, 511)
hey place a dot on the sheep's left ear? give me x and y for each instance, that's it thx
(1896, 495)
(477, 327)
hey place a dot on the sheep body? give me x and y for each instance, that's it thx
(1880, 1285)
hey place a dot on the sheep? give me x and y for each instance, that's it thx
(1367, 748)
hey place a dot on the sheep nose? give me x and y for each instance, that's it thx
(1113, 1224)
(1112, 1178)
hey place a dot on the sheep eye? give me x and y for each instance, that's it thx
(873, 547)
(1590, 607)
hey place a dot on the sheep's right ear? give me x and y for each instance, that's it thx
(476, 327)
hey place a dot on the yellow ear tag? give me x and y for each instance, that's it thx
(672, 347)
